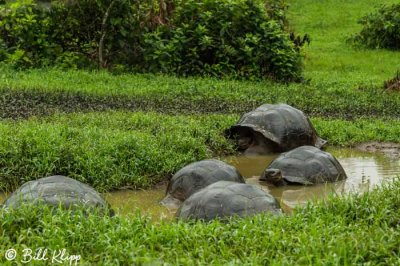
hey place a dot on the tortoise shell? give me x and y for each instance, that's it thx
(225, 199)
(283, 125)
(198, 175)
(306, 165)
(57, 191)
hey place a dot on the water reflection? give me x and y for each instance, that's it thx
(146, 201)
(365, 170)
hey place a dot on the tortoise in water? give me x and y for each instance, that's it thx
(196, 176)
(57, 191)
(306, 165)
(225, 199)
(274, 128)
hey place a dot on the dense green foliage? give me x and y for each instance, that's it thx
(381, 29)
(240, 38)
(221, 38)
(355, 230)
(117, 149)
(70, 33)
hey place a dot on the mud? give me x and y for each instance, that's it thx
(388, 148)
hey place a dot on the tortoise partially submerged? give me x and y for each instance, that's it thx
(225, 199)
(57, 191)
(196, 176)
(305, 165)
(274, 128)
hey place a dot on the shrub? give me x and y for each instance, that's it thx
(239, 38)
(71, 33)
(219, 38)
(105, 32)
(380, 29)
(24, 30)
(276, 10)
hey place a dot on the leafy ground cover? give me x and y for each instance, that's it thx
(121, 149)
(357, 229)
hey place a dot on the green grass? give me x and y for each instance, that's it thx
(115, 149)
(330, 60)
(108, 150)
(354, 230)
(345, 82)
(41, 92)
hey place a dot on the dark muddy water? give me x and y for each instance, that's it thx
(365, 170)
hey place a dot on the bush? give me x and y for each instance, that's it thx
(219, 38)
(380, 29)
(72, 34)
(24, 30)
(239, 38)
(105, 32)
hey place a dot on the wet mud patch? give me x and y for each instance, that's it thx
(390, 149)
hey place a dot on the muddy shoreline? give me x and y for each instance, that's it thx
(390, 149)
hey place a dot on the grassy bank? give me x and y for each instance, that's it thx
(341, 231)
(42, 92)
(108, 150)
(116, 149)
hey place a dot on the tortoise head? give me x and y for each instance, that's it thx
(244, 142)
(273, 176)
(243, 137)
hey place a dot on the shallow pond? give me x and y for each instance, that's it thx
(365, 170)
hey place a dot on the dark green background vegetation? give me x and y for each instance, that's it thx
(239, 38)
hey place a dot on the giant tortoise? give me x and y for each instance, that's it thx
(305, 165)
(225, 199)
(57, 191)
(196, 176)
(274, 128)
